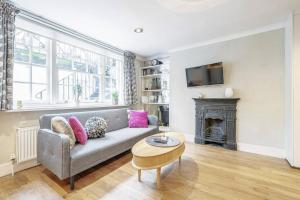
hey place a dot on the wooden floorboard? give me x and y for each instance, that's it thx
(205, 173)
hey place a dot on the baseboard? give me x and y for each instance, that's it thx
(25, 165)
(251, 148)
(6, 168)
(189, 137)
(262, 150)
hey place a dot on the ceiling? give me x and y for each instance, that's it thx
(167, 24)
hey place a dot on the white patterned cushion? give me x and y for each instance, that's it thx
(96, 127)
(61, 125)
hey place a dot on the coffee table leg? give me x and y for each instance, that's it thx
(139, 174)
(179, 160)
(158, 177)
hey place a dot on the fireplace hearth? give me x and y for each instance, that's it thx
(216, 121)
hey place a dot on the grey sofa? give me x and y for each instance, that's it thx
(53, 150)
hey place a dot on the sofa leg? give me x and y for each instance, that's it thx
(72, 183)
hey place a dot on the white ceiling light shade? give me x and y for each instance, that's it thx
(187, 6)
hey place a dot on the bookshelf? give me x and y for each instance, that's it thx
(155, 87)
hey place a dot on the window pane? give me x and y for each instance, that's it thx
(63, 63)
(22, 37)
(93, 69)
(66, 80)
(39, 92)
(80, 66)
(39, 43)
(114, 83)
(84, 71)
(30, 79)
(39, 74)
(107, 83)
(22, 53)
(21, 72)
(39, 46)
(21, 91)
(39, 58)
(107, 95)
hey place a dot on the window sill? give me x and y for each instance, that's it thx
(64, 107)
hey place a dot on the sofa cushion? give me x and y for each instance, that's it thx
(96, 127)
(78, 129)
(98, 150)
(138, 119)
(61, 125)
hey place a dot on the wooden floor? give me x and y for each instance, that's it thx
(206, 172)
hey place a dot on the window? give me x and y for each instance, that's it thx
(48, 71)
(31, 67)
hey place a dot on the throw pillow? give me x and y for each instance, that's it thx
(78, 129)
(61, 125)
(96, 127)
(152, 120)
(138, 119)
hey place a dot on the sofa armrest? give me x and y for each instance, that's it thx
(153, 120)
(53, 152)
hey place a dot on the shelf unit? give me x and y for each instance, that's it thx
(151, 76)
(155, 87)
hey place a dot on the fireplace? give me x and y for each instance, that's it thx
(214, 130)
(216, 121)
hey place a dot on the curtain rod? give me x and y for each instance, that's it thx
(27, 15)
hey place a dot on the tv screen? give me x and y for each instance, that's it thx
(205, 75)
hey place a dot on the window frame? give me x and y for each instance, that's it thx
(53, 70)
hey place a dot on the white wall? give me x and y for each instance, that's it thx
(289, 82)
(254, 67)
(296, 91)
(292, 90)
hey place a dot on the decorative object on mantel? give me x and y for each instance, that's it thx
(229, 93)
(200, 96)
(216, 121)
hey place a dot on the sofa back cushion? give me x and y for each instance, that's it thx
(115, 118)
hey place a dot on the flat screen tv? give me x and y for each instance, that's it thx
(205, 75)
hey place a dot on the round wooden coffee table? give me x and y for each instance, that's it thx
(146, 156)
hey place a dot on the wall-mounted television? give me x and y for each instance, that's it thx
(210, 74)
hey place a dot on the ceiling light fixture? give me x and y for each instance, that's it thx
(139, 30)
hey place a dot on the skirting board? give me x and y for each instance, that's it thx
(189, 138)
(262, 150)
(6, 168)
(251, 148)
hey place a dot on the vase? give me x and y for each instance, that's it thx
(115, 101)
(229, 92)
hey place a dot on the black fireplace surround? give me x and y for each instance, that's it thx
(216, 121)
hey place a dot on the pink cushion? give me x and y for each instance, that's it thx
(138, 119)
(78, 129)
